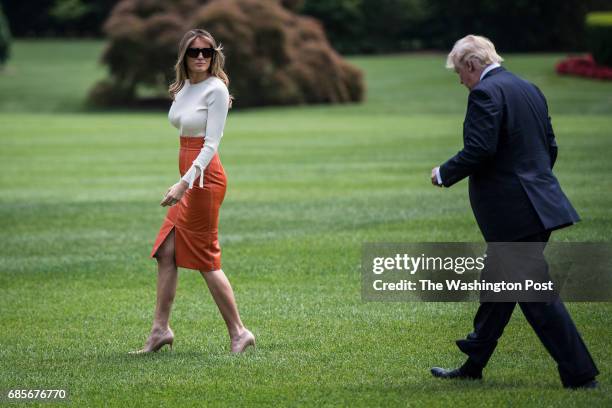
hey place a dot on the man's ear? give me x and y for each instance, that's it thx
(470, 65)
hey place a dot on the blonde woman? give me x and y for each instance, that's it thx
(188, 235)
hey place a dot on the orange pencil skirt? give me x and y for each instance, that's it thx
(195, 218)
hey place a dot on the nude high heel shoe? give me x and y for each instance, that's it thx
(245, 340)
(154, 346)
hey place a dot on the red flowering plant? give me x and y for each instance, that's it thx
(585, 66)
(598, 63)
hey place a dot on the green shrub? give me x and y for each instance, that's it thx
(599, 36)
(5, 38)
(369, 26)
(376, 26)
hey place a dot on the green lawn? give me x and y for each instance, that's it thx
(307, 186)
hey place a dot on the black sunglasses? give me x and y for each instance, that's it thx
(206, 52)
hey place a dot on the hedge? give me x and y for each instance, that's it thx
(599, 36)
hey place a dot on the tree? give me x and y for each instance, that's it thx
(274, 56)
(5, 38)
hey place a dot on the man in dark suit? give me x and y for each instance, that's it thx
(508, 154)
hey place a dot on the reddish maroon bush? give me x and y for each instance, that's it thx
(274, 56)
(583, 66)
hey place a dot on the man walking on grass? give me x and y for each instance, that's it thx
(508, 154)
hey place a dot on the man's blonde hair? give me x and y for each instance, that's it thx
(478, 49)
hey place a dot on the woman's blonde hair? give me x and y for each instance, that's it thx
(475, 48)
(180, 68)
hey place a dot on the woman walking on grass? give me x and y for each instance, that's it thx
(188, 235)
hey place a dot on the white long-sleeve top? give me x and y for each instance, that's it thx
(200, 110)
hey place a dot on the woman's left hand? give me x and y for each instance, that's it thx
(174, 194)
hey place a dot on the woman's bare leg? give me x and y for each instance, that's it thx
(166, 289)
(167, 275)
(222, 293)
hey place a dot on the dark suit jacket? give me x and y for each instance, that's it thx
(509, 152)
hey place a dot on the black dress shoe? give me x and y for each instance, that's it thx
(589, 384)
(456, 373)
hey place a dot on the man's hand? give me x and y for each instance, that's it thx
(434, 177)
(174, 194)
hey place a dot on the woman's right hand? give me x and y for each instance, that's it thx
(174, 194)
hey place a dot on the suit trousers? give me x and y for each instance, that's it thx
(552, 324)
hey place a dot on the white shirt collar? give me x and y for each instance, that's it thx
(489, 68)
